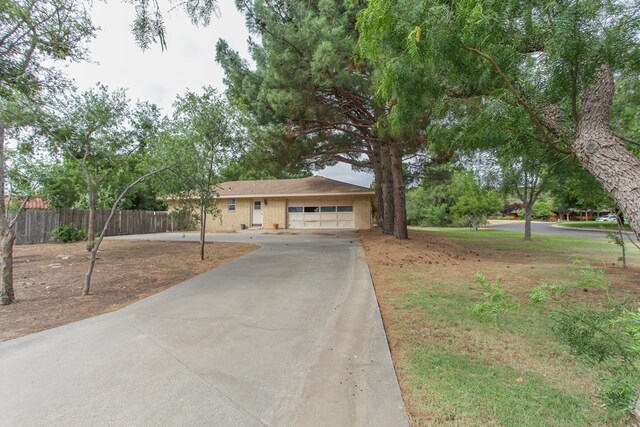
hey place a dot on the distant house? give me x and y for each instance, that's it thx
(512, 210)
(33, 203)
(313, 202)
(37, 203)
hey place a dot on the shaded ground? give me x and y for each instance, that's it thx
(48, 278)
(455, 369)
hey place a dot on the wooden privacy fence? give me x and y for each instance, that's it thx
(35, 225)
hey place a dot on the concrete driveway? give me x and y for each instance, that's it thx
(289, 335)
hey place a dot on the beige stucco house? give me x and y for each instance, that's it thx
(313, 202)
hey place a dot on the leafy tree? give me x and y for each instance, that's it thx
(63, 182)
(425, 206)
(527, 178)
(473, 202)
(555, 61)
(90, 130)
(198, 143)
(576, 188)
(315, 102)
(94, 130)
(32, 33)
(542, 210)
(430, 203)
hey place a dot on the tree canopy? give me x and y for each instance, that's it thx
(554, 61)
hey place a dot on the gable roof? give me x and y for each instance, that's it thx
(310, 186)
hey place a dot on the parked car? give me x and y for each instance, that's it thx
(607, 218)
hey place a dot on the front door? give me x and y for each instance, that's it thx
(257, 213)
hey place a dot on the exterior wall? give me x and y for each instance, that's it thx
(274, 212)
(362, 210)
(230, 220)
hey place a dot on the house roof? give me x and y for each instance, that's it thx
(37, 203)
(311, 186)
(32, 203)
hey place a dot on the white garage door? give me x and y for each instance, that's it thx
(307, 215)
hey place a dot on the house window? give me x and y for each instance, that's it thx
(294, 209)
(345, 208)
(309, 209)
(328, 209)
(232, 204)
(257, 205)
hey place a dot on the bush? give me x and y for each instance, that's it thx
(67, 234)
(183, 218)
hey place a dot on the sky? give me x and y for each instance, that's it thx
(157, 76)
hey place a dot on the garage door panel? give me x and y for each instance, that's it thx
(315, 213)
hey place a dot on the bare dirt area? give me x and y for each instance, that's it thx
(48, 278)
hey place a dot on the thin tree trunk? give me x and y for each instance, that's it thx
(528, 214)
(7, 294)
(203, 226)
(377, 174)
(93, 206)
(400, 207)
(387, 191)
(86, 286)
(603, 154)
(620, 223)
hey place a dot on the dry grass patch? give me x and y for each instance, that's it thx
(48, 278)
(455, 368)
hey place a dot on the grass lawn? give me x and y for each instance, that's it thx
(611, 226)
(458, 368)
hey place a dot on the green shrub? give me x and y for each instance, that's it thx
(497, 299)
(67, 234)
(544, 291)
(183, 218)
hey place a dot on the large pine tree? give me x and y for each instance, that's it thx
(318, 103)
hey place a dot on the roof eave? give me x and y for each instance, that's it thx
(248, 196)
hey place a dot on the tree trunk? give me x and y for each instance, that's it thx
(203, 226)
(86, 286)
(93, 206)
(387, 191)
(603, 154)
(377, 174)
(7, 295)
(528, 214)
(400, 207)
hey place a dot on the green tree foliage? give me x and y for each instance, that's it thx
(314, 103)
(553, 61)
(33, 33)
(473, 202)
(430, 203)
(149, 27)
(202, 138)
(456, 199)
(95, 135)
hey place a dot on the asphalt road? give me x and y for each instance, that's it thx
(289, 335)
(548, 228)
